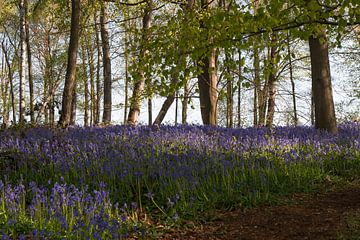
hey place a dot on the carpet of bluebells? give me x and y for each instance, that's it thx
(116, 182)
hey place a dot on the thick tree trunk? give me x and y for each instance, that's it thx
(29, 60)
(207, 82)
(185, 103)
(22, 62)
(321, 83)
(106, 63)
(73, 107)
(272, 81)
(70, 78)
(135, 102)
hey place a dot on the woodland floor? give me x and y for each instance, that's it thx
(331, 214)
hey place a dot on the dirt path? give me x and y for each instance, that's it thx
(320, 216)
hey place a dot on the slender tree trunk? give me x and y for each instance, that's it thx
(293, 94)
(98, 69)
(149, 111)
(4, 91)
(86, 89)
(106, 63)
(272, 80)
(11, 81)
(70, 78)
(229, 99)
(136, 98)
(22, 62)
(126, 87)
(256, 84)
(164, 108)
(321, 83)
(29, 60)
(90, 53)
(239, 92)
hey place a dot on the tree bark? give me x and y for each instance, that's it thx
(73, 107)
(185, 103)
(86, 89)
(4, 90)
(90, 54)
(256, 85)
(272, 81)
(321, 83)
(106, 63)
(207, 82)
(22, 62)
(11, 81)
(70, 78)
(229, 99)
(239, 92)
(293, 93)
(29, 60)
(135, 102)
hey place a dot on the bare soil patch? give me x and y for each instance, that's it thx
(315, 216)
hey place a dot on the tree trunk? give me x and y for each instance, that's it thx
(73, 107)
(207, 82)
(29, 60)
(239, 92)
(11, 81)
(136, 98)
(321, 83)
(70, 78)
(90, 53)
(126, 87)
(185, 103)
(229, 99)
(86, 89)
(272, 81)
(22, 62)
(98, 69)
(164, 108)
(256, 84)
(4, 91)
(106, 63)
(293, 94)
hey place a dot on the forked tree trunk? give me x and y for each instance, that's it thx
(136, 99)
(11, 81)
(104, 22)
(70, 78)
(321, 83)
